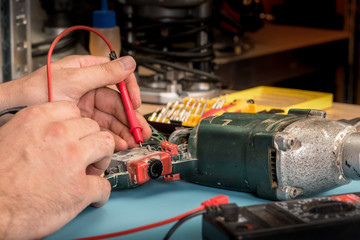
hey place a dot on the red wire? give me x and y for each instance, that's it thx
(215, 201)
(52, 46)
(142, 228)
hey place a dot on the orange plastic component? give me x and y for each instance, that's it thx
(170, 148)
(172, 177)
(139, 169)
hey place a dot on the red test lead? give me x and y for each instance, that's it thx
(215, 201)
(135, 128)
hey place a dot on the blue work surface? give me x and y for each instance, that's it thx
(156, 201)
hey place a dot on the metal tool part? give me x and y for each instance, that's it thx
(16, 39)
(153, 115)
(172, 43)
(204, 108)
(173, 108)
(275, 156)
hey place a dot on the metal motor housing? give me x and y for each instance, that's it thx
(275, 156)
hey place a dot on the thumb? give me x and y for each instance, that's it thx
(103, 75)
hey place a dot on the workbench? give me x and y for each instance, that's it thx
(159, 200)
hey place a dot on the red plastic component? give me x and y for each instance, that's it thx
(172, 177)
(138, 169)
(212, 112)
(250, 226)
(219, 199)
(169, 147)
(135, 128)
(349, 198)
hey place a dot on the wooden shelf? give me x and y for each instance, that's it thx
(273, 38)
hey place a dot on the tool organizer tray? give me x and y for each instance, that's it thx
(262, 99)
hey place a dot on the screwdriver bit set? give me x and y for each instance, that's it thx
(263, 99)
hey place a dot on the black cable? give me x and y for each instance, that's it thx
(169, 53)
(39, 44)
(181, 221)
(11, 110)
(177, 66)
(153, 68)
(38, 53)
(195, 80)
(63, 45)
(197, 49)
(177, 35)
(140, 27)
(194, 60)
(50, 40)
(182, 42)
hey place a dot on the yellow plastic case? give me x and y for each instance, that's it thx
(268, 98)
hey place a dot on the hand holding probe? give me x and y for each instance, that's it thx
(135, 128)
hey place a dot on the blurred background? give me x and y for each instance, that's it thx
(197, 48)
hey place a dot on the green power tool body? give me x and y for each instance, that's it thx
(274, 156)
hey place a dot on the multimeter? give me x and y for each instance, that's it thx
(328, 217)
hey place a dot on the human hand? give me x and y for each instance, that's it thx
(83, 80)
(50, 157)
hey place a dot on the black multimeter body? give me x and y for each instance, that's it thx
(328, 217)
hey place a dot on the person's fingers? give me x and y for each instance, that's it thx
(85, 79)
(121, 132)
(109, 101)
(83, 126)
(134, 90)
(79, 61)
(98, 148)
(120, 143)
(55, 110)
(110, 122)
(105, 100)
(98, 167)
(99, 190)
